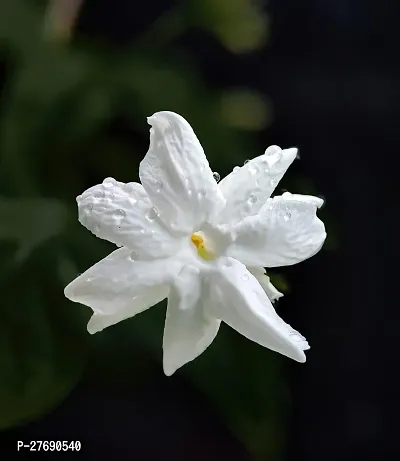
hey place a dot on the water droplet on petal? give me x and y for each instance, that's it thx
(134, 255)
(88, 209)
(245, 277)
(129, 187)
(189, 192)
(252, 199)
(216, 176)
(89, 279)
(202, 193)
(97, 228)
(119, 214)
(236, 169)
(152, 214)
(246, 161)
(142, 231)
(272, 150)
(274, 154)
(159, 186)
(287, 216)
(109, 182)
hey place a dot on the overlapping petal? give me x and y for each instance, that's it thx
(237, 298)
(123, 214)
(247, 189)
(189, 329)
(118, 287)
(284, 232)
(176, 175)
(263, 279)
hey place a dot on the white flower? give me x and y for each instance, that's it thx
(185, 237)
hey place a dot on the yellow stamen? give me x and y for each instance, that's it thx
(198, 242)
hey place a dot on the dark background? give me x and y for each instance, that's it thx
(328, 74)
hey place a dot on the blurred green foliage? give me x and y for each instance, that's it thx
(62, 108)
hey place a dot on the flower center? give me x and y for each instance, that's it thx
(205, 253)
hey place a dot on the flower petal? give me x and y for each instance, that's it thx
(117, 287)
(238, 299)
(263, 279)
(189, 330)
(284, 232)
(247, 188)
(176, 174)
(123, 214)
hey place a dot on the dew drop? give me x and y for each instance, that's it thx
(202, 193)
(88, 209)
(245, 277)
(109, 182)
(189, 192)
(274, 154)
(272, 150)
(97, 228)
(236, 169)
(159, 186)
(252, 199)
(128, 187)
(216, 176)
(133, 256)
(152, 214)
(246, 161)
(142, 231)
(287, 216)
(119, 214)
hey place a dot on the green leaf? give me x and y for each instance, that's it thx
(43, 341)
(30, 222)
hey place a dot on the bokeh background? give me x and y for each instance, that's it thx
(77, 80)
